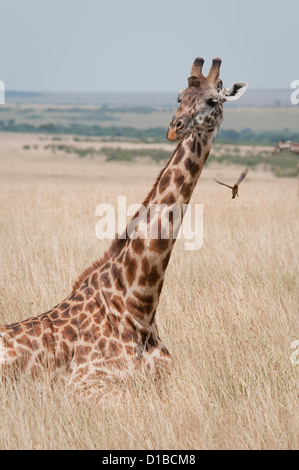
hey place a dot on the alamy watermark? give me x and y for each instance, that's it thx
(152, 222)
(295, 93)
(295, 354)
(2, 92)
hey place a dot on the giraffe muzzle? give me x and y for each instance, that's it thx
(172, 134)
(175, 130)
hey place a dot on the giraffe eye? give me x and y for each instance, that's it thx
(212, 102)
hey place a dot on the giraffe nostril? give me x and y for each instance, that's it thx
(179, 125)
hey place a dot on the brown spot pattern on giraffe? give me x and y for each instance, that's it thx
(165, 181)
(169, 199)
(179, 178)
(131, 268)
(159, 245)
(191, 166)
(179, 154)
(138, 245)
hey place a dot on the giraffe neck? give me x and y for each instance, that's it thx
(139, 266)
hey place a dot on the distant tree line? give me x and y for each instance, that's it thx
(81, 129)
(245, 136)
(286, 166)
(111, 154)
(248, 136)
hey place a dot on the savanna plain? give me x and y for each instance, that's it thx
(228, 312)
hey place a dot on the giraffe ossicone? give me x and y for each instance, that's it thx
(106, 330)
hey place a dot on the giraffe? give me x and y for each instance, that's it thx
(286, 146)
(105, 331)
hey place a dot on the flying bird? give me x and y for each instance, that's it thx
(235, 188)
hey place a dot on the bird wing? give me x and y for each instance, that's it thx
(242, 176)
(219, 182)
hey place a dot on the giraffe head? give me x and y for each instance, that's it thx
(201, 103)
(281, 146)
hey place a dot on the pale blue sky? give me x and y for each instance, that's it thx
(138, 45)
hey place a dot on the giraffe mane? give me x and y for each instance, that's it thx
(95, 265)
(118, 243)
(113, 250)
(154, 188)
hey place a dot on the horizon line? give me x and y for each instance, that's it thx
(124, 91)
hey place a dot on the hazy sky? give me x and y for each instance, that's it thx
(138, 45)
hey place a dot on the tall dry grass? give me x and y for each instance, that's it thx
(228, 312)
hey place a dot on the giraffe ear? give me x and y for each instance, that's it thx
(181, 95)
(234, 92)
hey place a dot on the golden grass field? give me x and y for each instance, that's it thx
(228, 312)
